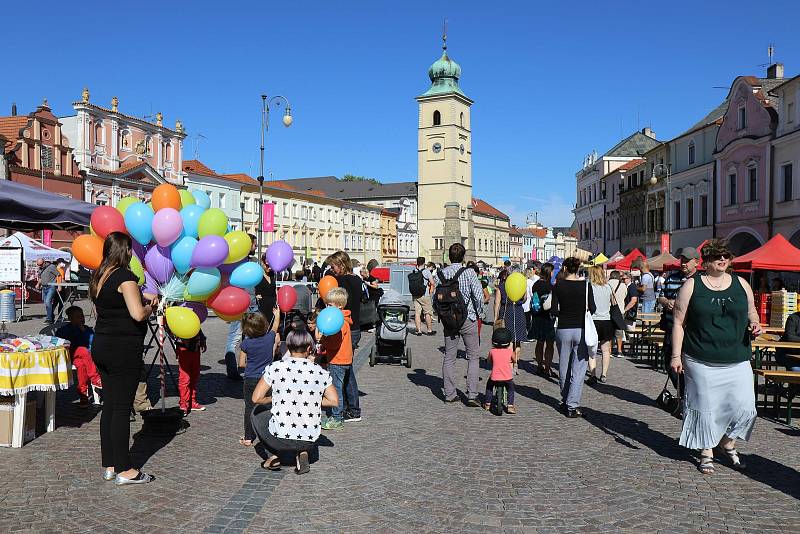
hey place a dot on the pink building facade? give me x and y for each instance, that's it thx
(742, 154)
(123, 155)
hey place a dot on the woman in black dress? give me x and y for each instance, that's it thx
(117, 352)
(267, 291)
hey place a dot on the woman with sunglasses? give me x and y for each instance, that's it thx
(714, 320)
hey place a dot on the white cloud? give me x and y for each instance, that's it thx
(552, 210)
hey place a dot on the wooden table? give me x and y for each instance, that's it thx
(772, 329)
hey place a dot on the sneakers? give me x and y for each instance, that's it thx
(332, 424)
(198, 407)
(592, 380)
(84, 402)
(350, 417)
(473, 403)
(574, 413)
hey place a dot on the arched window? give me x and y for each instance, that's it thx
(691, 153)
(437, 118)
(461, 119)
(98, 133)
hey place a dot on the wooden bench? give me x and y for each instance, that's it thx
(780, 378)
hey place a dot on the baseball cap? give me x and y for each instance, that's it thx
(689, 253)
(502, 336)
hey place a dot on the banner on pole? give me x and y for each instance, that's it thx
(665, 242)
(268, 214)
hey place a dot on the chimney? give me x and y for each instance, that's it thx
(13, 109)
(649, 132)
(775, 71)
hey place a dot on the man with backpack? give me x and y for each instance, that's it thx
(459, 302)
(419, 282)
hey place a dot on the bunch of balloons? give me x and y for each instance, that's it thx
(183, 245)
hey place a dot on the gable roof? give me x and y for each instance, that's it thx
(484, 208)
(348, 190)
(626, 166)
(197, 167)
(635, 145)
(10, 126)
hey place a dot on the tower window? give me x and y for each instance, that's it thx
(437, 118)
(461, 119)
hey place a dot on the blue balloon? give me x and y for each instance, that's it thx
(191, 218)
(247, 275)
(204, 281)
(182, 253)
(202, 199)
(139, 222)
(330, 321)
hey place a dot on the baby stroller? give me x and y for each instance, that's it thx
(392, 331)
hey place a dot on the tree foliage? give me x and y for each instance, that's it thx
(354, 178)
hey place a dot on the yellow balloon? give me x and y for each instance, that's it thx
(516, 286)
(238, 246)
(137, 269)
(183, 322)
(195, 298)
(187, 198)
(213, 221)
(91, 230)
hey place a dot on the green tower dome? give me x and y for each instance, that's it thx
(444, 75)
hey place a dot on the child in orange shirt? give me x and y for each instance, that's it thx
(339, 351)
(502, 359)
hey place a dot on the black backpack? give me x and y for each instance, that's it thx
(416, 284)
(449, 303)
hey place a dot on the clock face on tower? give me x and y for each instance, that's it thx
(437, 148)
(461, 148)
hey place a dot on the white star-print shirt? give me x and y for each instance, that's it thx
(297, 388)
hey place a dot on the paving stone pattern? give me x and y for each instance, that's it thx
(414, 464)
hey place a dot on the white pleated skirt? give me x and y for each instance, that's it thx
(719, 401)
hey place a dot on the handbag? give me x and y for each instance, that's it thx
(368, 313)
(616, 314)
(672, 404)
(589, 330)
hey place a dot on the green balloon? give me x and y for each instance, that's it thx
(213, 221)
(124, 203)
(187, 198)
(137, 269)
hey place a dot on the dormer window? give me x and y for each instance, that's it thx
(742, 123)
(691, 152)
(437, 118)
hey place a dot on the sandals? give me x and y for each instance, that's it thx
(272, 464)
(245, 442)
(706, 465)
(733, 456)
(302, 463)
(511, 409)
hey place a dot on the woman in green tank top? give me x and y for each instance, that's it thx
(714, 319)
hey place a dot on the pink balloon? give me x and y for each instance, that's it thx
(167, 226)
(158, 263)
(197, 307)
(210, 251)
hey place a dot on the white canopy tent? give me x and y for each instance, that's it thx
(33, 250)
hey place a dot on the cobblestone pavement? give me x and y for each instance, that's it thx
(413, 464)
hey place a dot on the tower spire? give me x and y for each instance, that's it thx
(444, 36)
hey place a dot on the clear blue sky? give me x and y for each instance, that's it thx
(551, 80)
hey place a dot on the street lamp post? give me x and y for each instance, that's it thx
(663, 170)
(287, 121)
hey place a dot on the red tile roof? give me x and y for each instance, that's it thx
(277, 184)
(198, 167)
(10, 126)
(539, 232)
(631, 164)
(240, 177)
(484, 208)
(514, 231)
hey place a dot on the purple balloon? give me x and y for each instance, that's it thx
(158, 263)
(228, 268)
(198, 308)
(138, 249)
(150, 285)
(210, 251)
(280, 255)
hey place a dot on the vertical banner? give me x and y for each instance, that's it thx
(268, 210)
(665, 242)
(47, 237)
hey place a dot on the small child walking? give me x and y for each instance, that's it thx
(339, 355)
(257, 350)
(502, 359)
(80, 339)
(188, 352)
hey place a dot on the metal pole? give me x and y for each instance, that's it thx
(264, 112)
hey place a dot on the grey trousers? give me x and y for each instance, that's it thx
(573, 358)
(469, 334)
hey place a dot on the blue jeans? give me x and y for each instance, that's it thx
(344, 380)
(573, 358)
(648, 306)
(355, 337)
(48, 295)
(234, 338)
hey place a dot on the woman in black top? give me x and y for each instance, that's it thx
(571, 298)
(342, 268)
(117, 352)
(267, 291)
(542, 323)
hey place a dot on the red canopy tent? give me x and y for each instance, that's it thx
(777, 254)
(625, 263)
(675, 265)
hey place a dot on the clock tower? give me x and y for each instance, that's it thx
(444, 154)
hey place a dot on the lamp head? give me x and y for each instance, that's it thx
(287, 118)
(653, 180)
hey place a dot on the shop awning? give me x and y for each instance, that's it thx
(625, 263)
(777, 254)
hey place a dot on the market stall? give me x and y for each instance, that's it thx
(625, 263)
(663, 262)
(26, 208)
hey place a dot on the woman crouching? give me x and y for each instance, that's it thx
(298, 389)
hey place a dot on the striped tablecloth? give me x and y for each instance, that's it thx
(45, 370)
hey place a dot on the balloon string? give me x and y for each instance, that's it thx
(161, 362)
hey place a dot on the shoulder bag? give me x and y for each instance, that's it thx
(589, 331)
(616, 314)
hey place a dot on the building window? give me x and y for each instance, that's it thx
(677, 222)
(286, 209)
(742, 124)
(305, 212)
(222, 200)
(691, 152)
(752, 184)
(437, 118)
(296, 211)
(461, 119)
(125, 140)
(98, 134)
(790, 112)
(732, 189)
(786, 171)
(690, 213)
(704, 210)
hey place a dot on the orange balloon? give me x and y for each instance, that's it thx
(88, 249)
(166, 196)
(326, 284)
